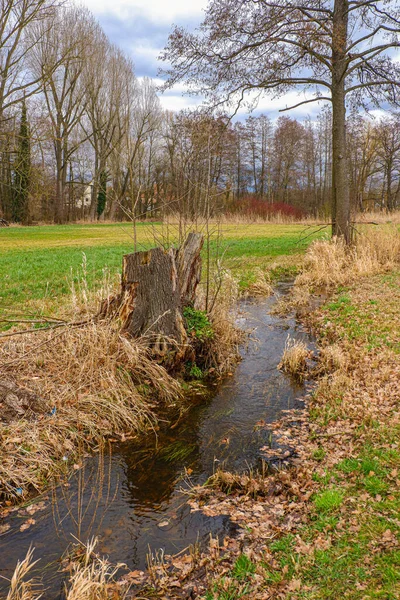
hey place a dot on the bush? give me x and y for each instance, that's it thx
(258, 206)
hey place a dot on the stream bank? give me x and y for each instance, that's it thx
(131, 498)
(328, 527)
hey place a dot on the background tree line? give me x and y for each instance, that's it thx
(82, 137)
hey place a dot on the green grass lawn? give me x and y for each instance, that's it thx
(39, 263)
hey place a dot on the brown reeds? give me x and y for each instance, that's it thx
(221, 352)
(22, 588)
(294, 358)
(261, 286)
(330, 262)
(94, 382)
(93, 578)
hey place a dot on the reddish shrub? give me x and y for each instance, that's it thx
(254, 205)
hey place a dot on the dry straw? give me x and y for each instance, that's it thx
(94, 578)
(95, 384)
(91, 578)
(20, 587)
(262, 285)
(294, 358)
(330, 262)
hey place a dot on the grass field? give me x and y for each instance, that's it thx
(38, 264)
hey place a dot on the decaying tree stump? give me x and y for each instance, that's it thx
(156, 286)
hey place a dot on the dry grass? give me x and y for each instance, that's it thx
(91, 577)
(221, 352)
(94, 578)
(294, 359)
(379, 217)
(262, 285)
(95, 384)
(20, 588)
(240, 219)
(330, 263)
(332, 358)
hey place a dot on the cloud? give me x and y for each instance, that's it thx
(156, 10)
(141, 29)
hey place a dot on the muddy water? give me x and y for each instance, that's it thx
(132, 499)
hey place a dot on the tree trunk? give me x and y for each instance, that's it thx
(188, 262)
(151, 304)
(389, 198)
(340, 183)
(156, 286)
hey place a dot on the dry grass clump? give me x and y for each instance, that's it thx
(95, 383)
(94, 578)
(222, 351)
(380, 244)
(294, 359)
(91, 578)
(21, 589)
(328, 398)
(330, 262)
(332, 358)
(262, 285)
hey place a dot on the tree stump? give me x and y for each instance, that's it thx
(156, 286)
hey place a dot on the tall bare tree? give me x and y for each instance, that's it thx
(388, 149)
(109, 82)
(16, 20)
(338, 51)
(59, 58)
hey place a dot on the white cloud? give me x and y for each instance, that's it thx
(156, 10)
(177, 103)
(272, 106)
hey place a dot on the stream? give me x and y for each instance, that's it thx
(131, 498)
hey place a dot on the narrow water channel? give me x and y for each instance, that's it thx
(132, 499)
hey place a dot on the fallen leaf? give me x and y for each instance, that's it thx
(294, 585)
(135, 576)
(27, 524)
(163, 524)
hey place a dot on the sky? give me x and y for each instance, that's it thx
(141, 28)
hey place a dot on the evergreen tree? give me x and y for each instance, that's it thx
(102, 195)
(22, 172)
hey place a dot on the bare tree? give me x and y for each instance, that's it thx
(59, 59)
(338, 51)
(388, 138)
(109, 83)
(144, 117)
(17, 17)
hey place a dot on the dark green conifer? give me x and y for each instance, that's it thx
(22, 172)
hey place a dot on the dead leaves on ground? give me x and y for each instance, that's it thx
(270, 508)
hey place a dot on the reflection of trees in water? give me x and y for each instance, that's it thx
(152, 474)
(79, 505)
